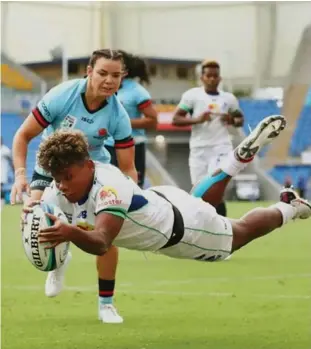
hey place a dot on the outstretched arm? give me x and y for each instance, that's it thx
(96, 241)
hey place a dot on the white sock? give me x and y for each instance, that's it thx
(231, 165)
(288, 211)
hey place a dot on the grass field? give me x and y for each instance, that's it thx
(259, 299)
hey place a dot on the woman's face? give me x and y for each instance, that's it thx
(105, 77)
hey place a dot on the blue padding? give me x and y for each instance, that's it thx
(206, 183)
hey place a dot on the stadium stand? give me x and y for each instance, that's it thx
(20, 91)
(10, 124)
(294, 172)
(20, 87)
(255, 110)
(302, 135)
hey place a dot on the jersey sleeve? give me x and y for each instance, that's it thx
(143, 98)
(186, 102)
(115, 197)
(50, 195)
(233, 103)
(49, 107)
(123, 131)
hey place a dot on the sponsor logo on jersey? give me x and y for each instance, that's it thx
(83, 214)
(108, 196)
(46, 110)
(69, 217)
(102, 134)
(214, 108)
(89, 121)
(68, 122)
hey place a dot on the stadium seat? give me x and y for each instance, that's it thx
(302, 135)
(10, 124)
(254, 111)
(14, 79)
(281, 172)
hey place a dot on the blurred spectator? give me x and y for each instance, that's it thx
(288, 182)
(138, 104)
(302, 186)
(6, 165)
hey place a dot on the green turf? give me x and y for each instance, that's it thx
(258, 299)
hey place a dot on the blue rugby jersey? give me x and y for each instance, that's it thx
(64, 107)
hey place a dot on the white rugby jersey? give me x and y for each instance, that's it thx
(148, 218)
(210, 133)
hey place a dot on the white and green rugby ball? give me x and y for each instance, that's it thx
(42, 258)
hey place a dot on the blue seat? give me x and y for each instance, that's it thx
(256, 110)
(10, 124)
(281, 172)
(301, 139)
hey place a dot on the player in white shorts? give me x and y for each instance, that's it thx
(106, 206)
(209, 111)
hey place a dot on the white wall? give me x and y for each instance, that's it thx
(185, 30)
(192, 33)
(168, 88)
(292, 19)
(34, 28)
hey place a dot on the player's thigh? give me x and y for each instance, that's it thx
(218, 155)
(140, 162)
(37, 185)
(198, 163)
(208, 237)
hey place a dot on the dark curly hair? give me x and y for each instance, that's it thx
(61, 150)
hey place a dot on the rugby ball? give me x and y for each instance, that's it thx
(40, 257)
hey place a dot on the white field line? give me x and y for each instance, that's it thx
(126, 287)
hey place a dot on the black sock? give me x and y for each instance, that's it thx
(222, 209)
(106, 291)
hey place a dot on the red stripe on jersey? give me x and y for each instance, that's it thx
(127, 144)
(144, 104)
(40, 118)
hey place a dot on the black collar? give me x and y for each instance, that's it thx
(216, 93)
(105, 102)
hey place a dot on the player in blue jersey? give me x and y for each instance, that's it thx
(89, 105)
(137, 102)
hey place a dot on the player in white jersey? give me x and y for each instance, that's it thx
(210, 111)
(106, 206)
(90, 105)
